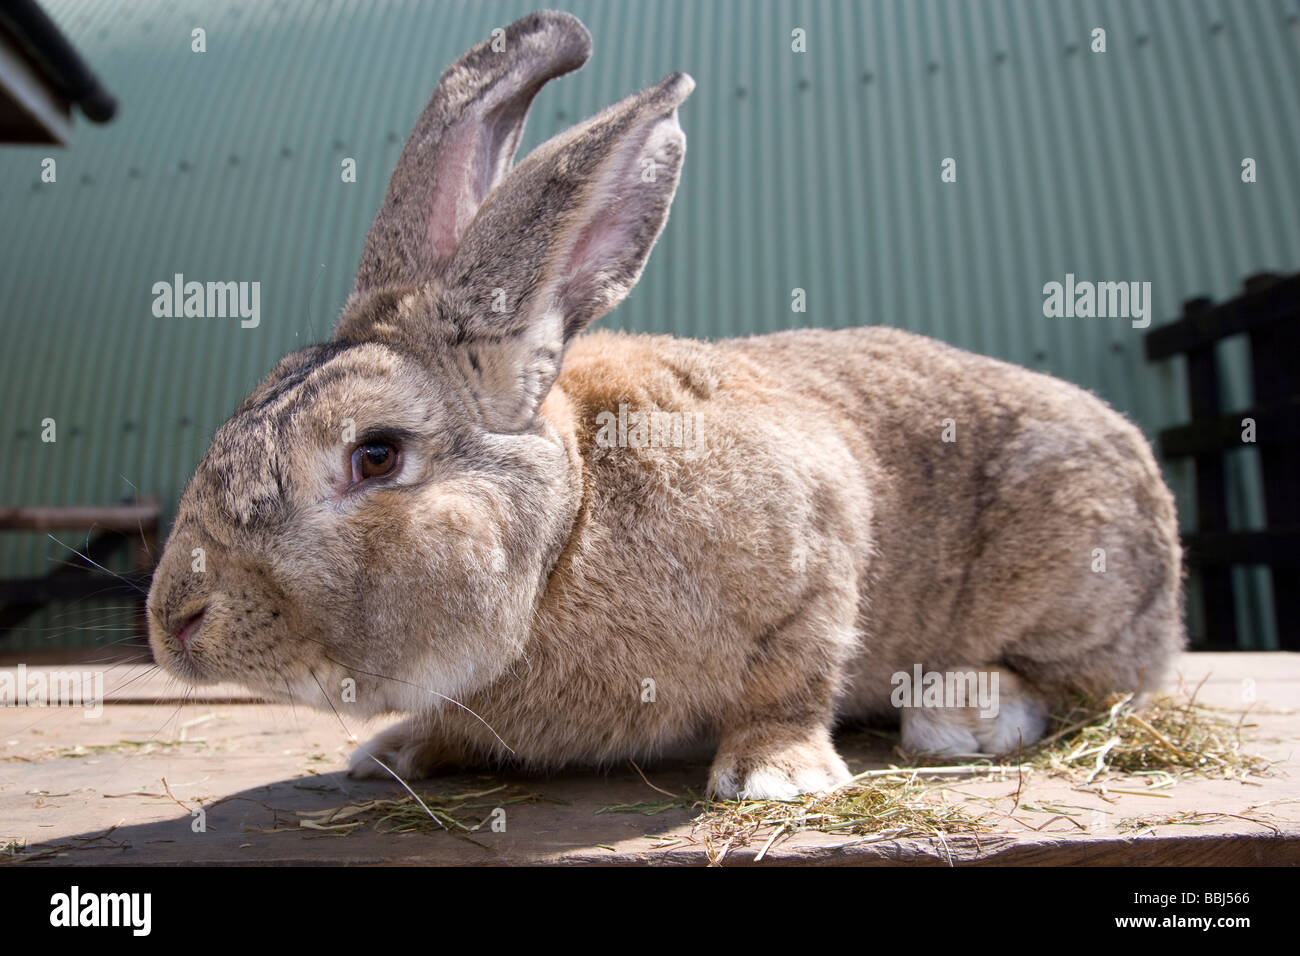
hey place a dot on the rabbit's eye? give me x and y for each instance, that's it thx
(373, 460)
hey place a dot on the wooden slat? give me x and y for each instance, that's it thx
(123, 518)
(1218, 598)
(1274, 424)
(1279, 302)
(72, 587)
(1219, 549)
(1273, 353)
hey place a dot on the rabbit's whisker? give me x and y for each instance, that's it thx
(351, 736)
(125, 581)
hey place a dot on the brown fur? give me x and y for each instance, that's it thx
(820, 537)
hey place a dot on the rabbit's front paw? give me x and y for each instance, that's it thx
(406, 750)
(777, 772)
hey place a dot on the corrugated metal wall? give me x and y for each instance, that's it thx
(818, 170)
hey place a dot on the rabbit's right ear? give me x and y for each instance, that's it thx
(464, 144)
(558, 244)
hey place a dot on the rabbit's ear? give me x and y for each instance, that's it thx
(565, 237)
(463, 144)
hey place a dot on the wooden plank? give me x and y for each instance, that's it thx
(66, 781)
(126, 518)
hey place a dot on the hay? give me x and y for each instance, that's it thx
(650, 808)
(885, 808)
(1169, 736)
(1195, 818)
(456, 813)
(1089, 741)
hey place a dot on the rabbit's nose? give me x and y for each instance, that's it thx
(188, 626)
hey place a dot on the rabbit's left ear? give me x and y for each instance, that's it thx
(562, 241)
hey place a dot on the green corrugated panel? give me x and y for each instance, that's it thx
(816, 170)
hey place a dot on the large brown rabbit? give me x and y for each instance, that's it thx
(548, 547)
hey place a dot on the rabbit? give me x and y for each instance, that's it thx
(548, 548)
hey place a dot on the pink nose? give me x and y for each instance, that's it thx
(189, 626)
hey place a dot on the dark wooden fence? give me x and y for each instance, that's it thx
(1268, 314)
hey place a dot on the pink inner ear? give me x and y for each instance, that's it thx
(600, 243)
(612, 246)
(461, 178)
(613, 214)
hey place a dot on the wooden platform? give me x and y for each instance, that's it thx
(120, 788)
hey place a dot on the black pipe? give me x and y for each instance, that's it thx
(55, 57)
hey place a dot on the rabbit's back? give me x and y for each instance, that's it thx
(997, 516)
(1017, 519)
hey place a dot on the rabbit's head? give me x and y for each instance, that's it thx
(386, 507)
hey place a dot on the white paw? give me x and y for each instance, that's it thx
(1020, 721)
(778, 779)
(939, 732)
